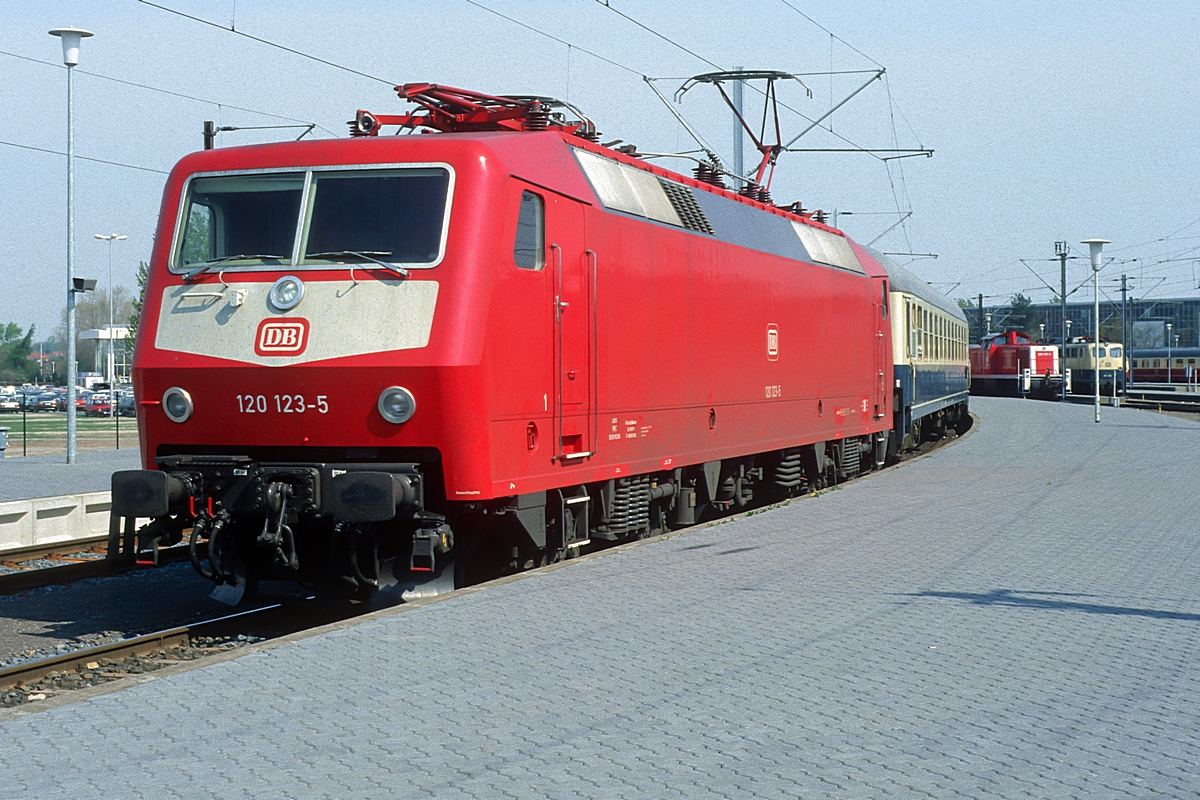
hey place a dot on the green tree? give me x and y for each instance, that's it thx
(1022, 315)
(197, 239)
(135, 316)
(15, 364)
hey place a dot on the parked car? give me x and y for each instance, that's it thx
(9, 403)
(47, 402)
(98, 405)
(126, 406)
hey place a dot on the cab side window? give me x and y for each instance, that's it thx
(529, 251)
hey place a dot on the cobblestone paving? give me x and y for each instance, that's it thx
(51, 475)
(1017, 616)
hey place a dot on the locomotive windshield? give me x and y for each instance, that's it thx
(241, 219)
(254, 221)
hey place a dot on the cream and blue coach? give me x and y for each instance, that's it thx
(932, 372)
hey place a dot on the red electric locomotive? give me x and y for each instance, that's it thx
(359, 357)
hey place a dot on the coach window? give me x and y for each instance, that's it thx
(529, 251)
(883, 308)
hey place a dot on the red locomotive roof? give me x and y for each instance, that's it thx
(447, 109)
(1007, 337)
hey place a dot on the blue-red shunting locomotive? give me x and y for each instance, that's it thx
(363, 360)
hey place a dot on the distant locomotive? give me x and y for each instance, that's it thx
(1080, 356)
(361, 360)
(1010, 364)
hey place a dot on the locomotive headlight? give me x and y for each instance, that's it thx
(287, 292)
(177, 404)
(396, 404)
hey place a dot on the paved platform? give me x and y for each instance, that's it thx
(1015, 616)
(50, 475)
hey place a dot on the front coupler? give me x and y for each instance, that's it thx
(270, 505)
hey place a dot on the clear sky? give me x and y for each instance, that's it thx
(1049, 121)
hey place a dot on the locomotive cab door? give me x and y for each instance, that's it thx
(573, 314)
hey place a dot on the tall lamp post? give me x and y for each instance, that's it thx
(112, 356)
(1097, 249)
(71, 37)
(1168, 352)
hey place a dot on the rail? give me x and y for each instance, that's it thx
(31, 671)
(36, 578)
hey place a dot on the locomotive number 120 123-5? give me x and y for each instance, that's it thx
(280, 404)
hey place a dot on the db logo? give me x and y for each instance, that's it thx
(281, 337)
(772, 342)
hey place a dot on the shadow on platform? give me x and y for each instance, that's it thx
(1044, 600)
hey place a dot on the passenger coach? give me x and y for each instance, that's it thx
(931, 369)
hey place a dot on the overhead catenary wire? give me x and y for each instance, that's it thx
(170, 92)
(653, 32)
(555, 38)
(84, 158)
(269, 43)
(606, 4)
(831, 33)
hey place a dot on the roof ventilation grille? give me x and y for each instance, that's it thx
(689, 211)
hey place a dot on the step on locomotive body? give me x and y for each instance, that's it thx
(363, 360)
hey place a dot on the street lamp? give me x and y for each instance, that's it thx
(1097, 249)
(1168, 352)
(112, 358)
(989, 323)
(1042, 331)
(71, 37)
(1066, 338)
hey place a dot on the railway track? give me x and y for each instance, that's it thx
(43, 678)
(1162, 400)
(70, 564)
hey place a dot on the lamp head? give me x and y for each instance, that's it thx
(71, 37)
(1097, 247)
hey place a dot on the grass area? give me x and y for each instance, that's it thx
(47, 425)
(47, 432)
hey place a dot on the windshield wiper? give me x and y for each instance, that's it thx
(207, 265)
(365, 255)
